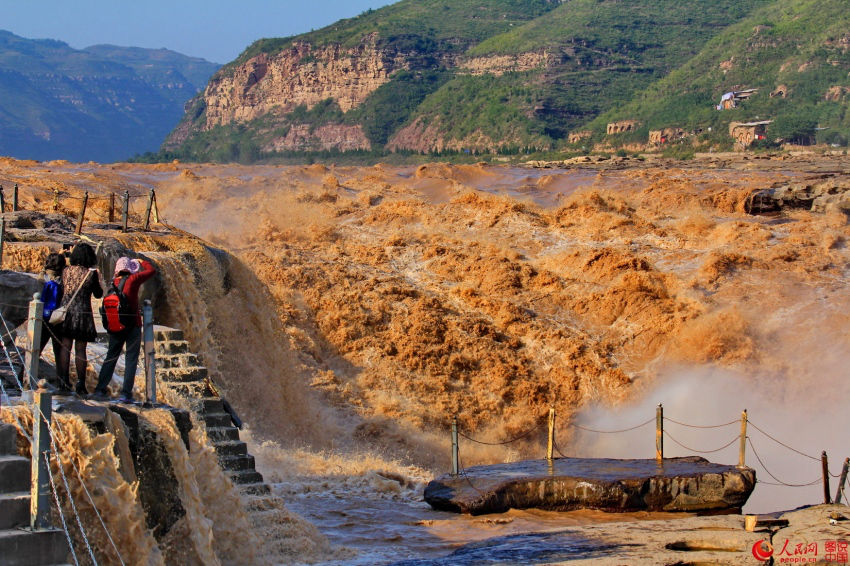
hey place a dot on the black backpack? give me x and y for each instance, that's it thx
(115, 311)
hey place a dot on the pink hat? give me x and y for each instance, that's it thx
(127, 264)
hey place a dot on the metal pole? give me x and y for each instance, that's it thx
(15, 198)
(2, 200)
(742, 450)
(550, 446)
(840, 492)
(40, 480)
(33, 352)
(111, 207)
(150, 356)
(82, 215)
(148, 212)
(659, 433)
(825, 468)
(2, 237)
(454, 447)
(125, 210)
(155, 208)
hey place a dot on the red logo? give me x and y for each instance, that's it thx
(762, 550)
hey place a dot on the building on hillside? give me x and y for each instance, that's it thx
(576, 137)
(745, 133)
(622, 126)
(731, 99)
(666, 135)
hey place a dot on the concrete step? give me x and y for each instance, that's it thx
(230, 448)
(8, 440)
(33, 548)
(166, 334)
(178, 361)
(236, 463)
(211, 405)
(223, 433)
(182, 374)
(14, 474)
(171, 348)
(14, 509)
(191, 390)
(242, 477)
(217, 419)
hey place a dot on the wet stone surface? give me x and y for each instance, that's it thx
(691, 484)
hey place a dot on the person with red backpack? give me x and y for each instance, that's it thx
(123, 323)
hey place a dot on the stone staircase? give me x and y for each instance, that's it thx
(180, 372)
(20, 546)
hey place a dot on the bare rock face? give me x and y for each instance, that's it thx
(689, 484)
(302, 137)
(501, 64)
(826, 194)
(299, 75)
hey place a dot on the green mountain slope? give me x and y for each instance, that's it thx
(512, 75)
(103, 103)
(799, 48)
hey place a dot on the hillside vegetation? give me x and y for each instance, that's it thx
(518, 76)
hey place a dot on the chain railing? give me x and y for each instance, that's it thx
(742, 438)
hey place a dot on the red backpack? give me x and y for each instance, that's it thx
(115, 311)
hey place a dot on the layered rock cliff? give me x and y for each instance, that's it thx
(301, 74)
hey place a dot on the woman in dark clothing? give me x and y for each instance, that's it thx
(78, 328)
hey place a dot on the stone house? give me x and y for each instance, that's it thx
(622, 126)
(745, 133)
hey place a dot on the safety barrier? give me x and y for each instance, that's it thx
(43, 442)
(151, 210)
(743, 439)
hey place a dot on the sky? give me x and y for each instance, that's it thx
(217, 30)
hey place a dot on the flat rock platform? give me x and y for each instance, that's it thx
(690, 484)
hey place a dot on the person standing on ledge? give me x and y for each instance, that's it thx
(133, 273)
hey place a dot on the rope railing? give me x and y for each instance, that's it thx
(727, 445)
(742, 438)
(768, 472)
(55, 447)
(151, 211)
(511, 441)
(643, 424)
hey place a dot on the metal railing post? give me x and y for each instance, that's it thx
(150, 356)
(825, 467)
(840, 493)
(659, 433)
(148, 212)
(2, 200)
(82, 215)
(40, 480)
(33, 352)
(125, 210)
(550, 445)
(2, 238)
(111, 207)
(742, 449)
(15, 198)
(454, 447)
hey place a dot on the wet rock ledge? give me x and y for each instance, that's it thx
(691, 484)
